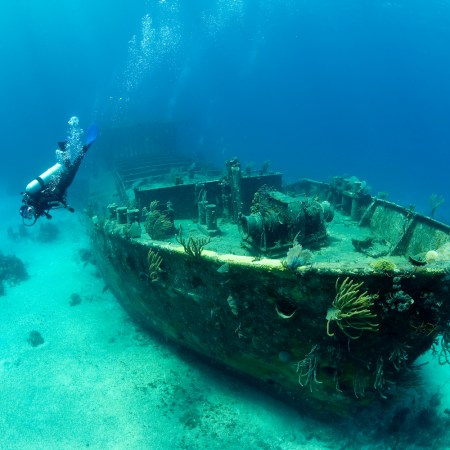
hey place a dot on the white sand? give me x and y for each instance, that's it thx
(99, 382)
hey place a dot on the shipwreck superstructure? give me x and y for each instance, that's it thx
(317, 291)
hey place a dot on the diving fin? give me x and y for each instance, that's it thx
(91, 135)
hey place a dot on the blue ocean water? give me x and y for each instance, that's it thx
(318, 87)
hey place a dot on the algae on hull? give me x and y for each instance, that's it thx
(189, 304)
(268, 321)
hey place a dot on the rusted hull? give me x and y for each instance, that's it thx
(259, 319)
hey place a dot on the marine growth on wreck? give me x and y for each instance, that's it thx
(319, 292)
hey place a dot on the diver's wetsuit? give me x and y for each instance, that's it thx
(54, 195)
(48, 191)
(67, 176)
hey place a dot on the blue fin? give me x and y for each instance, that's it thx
(91, 135)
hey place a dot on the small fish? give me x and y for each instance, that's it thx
(224, 268)
(233, 305)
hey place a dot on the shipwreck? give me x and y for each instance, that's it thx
(317, 291)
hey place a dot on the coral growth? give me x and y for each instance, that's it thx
(158, 224)
(154, 263)
(12, 271)
(35, 338)
(307, 368)
(435, 202)
(193, 246)
(351, 310)
(398, 301)
(383, 265)
(297, 256)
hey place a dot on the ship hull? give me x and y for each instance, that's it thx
(257, 318)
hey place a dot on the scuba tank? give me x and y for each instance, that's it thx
(43, 180)
(50, 175)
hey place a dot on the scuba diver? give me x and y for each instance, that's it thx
(48, 191)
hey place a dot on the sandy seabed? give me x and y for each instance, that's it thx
(99, 382)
